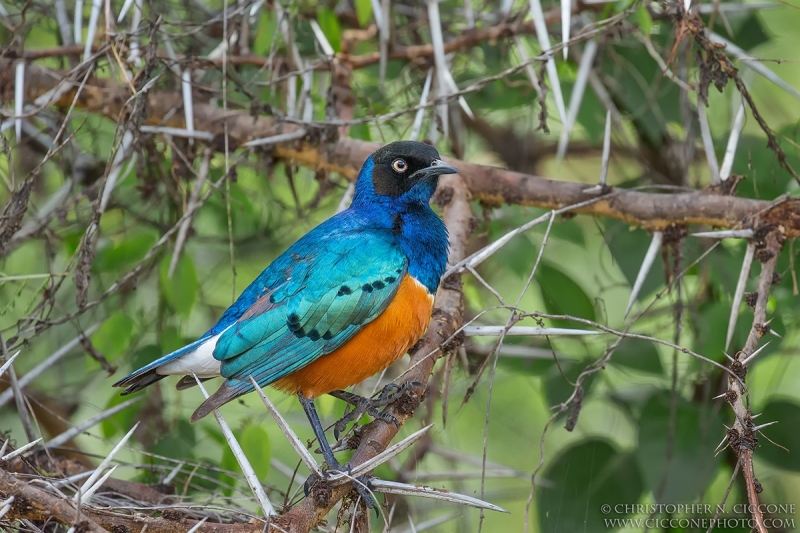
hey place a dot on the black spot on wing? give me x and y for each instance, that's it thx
(327, 336)
(293, 323)
(390, 279)
(313, 335)
(378, 285)
(344, 290)
(366, 287)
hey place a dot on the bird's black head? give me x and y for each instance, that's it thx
(399, 166)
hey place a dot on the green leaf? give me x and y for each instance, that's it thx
(181, 290)
(363, 12)
(145, 355)
(748, 29)
(113, 337)
(642, 17)
(559, 378)
(124, 254)
(628, 248)
(639, 355)
(785, 433)
(562, 296)
(639, 86)
(690, 464)
(329, 24)
(121, 422)
(178, 443)
(255, 444)
(265, 33)
(586, 477)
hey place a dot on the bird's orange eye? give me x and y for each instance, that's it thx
(399, 165)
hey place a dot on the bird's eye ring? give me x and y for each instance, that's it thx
(399, 165)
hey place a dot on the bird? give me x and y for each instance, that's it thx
(341, 304)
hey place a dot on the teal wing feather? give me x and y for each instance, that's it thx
(329, 292)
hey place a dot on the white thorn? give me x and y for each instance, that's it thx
(762, 426)
(20, 451)
(437, 40)
(725, 234)
(241, 458)
(708, 143)
(178, 132)
(566, 15)
(124, 11)
(188, 101)
(83, 426)
(8, 363)
(606, 150)
(327, 49)
(195, 527)
(523, 55)
(78, 22)
(496, 331)
(86, 487)
(724, 440)
(341, 477)
(116, 169)
(576, 98)
(544, 42)
(739, 293)
(19, 98)
(392, 487)
(755, 353)
(6, 506)
(417, 127)
(91, 29)
(85, 497)
(29, 376)
(174, 472)
(733, 140)
(276, 139)
(649, 259)
(293, 439)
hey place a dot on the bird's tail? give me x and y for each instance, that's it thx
(147, 375)
(229, 390)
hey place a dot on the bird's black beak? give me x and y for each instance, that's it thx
(437, 168)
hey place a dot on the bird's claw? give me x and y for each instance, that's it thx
(370, 406)
(362, 484)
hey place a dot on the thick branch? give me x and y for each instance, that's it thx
(490, 185)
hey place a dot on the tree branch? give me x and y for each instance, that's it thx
(742, 437)
(319, 149)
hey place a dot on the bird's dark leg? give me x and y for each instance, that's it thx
(370, 406)
(362, 482)
(319, 432)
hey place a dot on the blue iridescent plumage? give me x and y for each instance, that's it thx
(329, 284)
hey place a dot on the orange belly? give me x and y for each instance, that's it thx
(379, 344)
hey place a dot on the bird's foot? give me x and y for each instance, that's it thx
(362, 484)
(370, 406)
